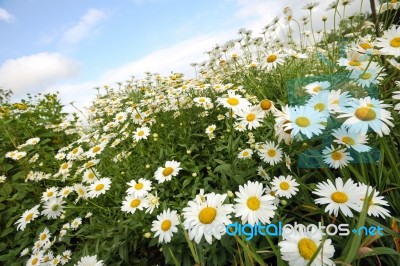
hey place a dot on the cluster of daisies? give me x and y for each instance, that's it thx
(41, 252)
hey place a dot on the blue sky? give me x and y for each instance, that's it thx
(73, 46)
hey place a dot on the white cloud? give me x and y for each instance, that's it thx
(86, 25)
(6, 16)
(29, 73)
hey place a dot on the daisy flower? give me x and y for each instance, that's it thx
(95, 150)
(120, 117)
(252, 205)
(27, 217)
(250, 117)
(305, 120)
(368, 113)
(299, 246)
(315, 87)
(44, 236)
(99, 187)
(390, 42)
(139, 188)
(366, 77)
(165, 225)
(273, 59)
(319, 102)
(90, 176)
(245, 154)
(396, 96)
(49, 194)
(202, 101)
(284, 186)
(3, 179)
(53, 208)
(153, 201)
(335, 157)
(233, 101)
(375, 205)
(351, 139)
(81, 190)
(132, 203)
(75, 153)
(89, 261)
(76, 223)
(210, 129)
(267, 106)
(338, 102)
(166, 173)
(208, 218)
(270, 153)
(141, 133)
(35, 259)
(339, 196)
(65, 168)
(262, 173)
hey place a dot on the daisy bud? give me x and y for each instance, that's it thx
(147, 166)
(155, 139)
(155, 135)
(162, 125)
(230, 194)
(283, 202)
(147, 235)
(252, 146)
(188, 152)
(194, 174)
(324, 18)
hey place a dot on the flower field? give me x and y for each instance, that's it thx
(290, 126)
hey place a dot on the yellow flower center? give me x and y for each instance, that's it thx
(34, 261)
(135, 203)
(28, 217)
(81, 192)
(233, 101)
(89, 164)
(91, 175)
(307, 248)
(207, 215)
(50, 193)
(336, 155)
(365, 45)
(139, 186)
(166, 225)
(272, 193)
(96, 149)
(54, 207)
(365, 114)
(99, 187)
(202, 100)
(319, 106)
(271, 152)
(75, 151)
(271, 58)
(348, 140)
(250, 117)
(64, 166)
(339, 197)
(354, 63)
(245, 153)
(395, 42)
(366, 76)
(317, 89)
(266, 104)
(335, 101)
(120, 117)
(141, 133)
(167, 171)
(302, 121)
(284, 185)
(253, 203)
(43, 237)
